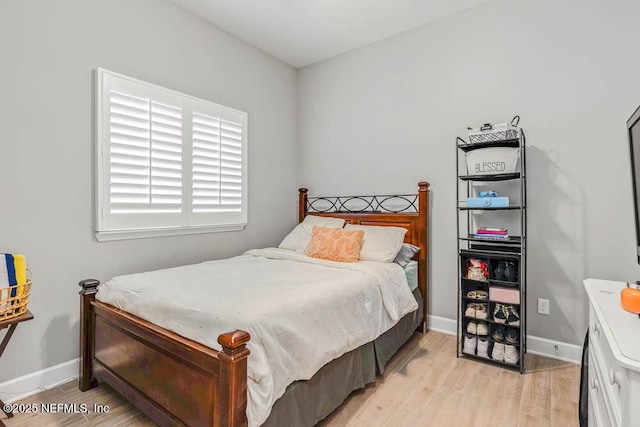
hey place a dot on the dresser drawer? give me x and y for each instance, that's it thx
(612, 375)
(598, 415)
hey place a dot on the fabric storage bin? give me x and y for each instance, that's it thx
(495, 133)
(505, 295)
(489, 161)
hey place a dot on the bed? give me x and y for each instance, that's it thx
(180, 381)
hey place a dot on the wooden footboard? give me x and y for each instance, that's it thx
(174, 380)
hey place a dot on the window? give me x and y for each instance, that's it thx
(167, 163)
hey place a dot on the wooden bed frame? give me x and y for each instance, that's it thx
(179, 382)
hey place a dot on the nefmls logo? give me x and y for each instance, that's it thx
(484, 167)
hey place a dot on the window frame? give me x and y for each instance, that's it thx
(191, 222)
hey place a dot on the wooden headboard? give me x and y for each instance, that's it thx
(413, 214)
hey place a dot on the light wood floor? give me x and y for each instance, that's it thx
(424, 385)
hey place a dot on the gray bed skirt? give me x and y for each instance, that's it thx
(305, 403)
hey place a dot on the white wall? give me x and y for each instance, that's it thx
(48, 51)
(381, 118)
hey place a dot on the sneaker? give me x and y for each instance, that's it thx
(469, 345)
(483, 348)
(513, 318)
(471, 310)
(482, 329)
(472, 328)
(498, 352)
(498, 333)
(481, 311)
(511, 354)
(499, 314)
(512, 336)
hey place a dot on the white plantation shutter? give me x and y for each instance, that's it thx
(206, 163)
(145, 156)
(217, 164)
(167, 161)
(231, 165)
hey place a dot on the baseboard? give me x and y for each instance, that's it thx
(554, 349)
(35, 382)
(441, 324)
(535, 345)
(30, 384)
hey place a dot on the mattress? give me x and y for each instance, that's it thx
(411, 272)
(301, 312)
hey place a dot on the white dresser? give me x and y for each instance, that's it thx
(614, 357)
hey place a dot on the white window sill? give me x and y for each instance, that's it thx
(109, 236)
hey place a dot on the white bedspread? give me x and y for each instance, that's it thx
(301, 312)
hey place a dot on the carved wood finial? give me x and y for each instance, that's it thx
(423, 186)
(302, 203)
(89, 286)
(234, 343)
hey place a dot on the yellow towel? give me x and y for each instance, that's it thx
(21, 268)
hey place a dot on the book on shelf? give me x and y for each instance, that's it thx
(491, 236)
(487, 230)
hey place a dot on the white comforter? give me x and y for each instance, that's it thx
(301, 312)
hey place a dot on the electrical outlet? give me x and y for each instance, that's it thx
(543, 306)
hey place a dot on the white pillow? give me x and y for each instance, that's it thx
(299, 238)
(380, 244)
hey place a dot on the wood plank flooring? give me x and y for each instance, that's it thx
(424, 385)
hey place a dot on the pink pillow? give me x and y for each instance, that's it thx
(335, 244)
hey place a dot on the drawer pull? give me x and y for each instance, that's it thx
(595, 384)
(614, 378)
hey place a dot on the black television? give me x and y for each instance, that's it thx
(633, 125)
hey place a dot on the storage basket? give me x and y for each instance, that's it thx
(495, 133)
(14, 300)
(493, 160)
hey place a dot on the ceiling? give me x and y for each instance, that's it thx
(301, 32)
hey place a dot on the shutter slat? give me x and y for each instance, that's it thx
(206, 169)
(123, 139)
(126, 131)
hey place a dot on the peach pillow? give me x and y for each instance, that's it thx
(335, 244)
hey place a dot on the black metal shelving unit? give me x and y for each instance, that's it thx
(493, 251)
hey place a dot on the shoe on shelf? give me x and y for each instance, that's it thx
(482, 329)
(511, 336)
(483, 348)
(511, 354)
(513, 318)
(498, 333)
(481, 311)
(472, 328)
(471, 310)
(478, 294)
(499, 314)
(498, 352)
(476, 310)
(469, 345)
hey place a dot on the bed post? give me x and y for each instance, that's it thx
(232, 397)
(423, 210)
(86, 380)
(302, 203)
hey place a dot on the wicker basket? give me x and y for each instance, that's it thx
(495, 133)
(14, 300)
